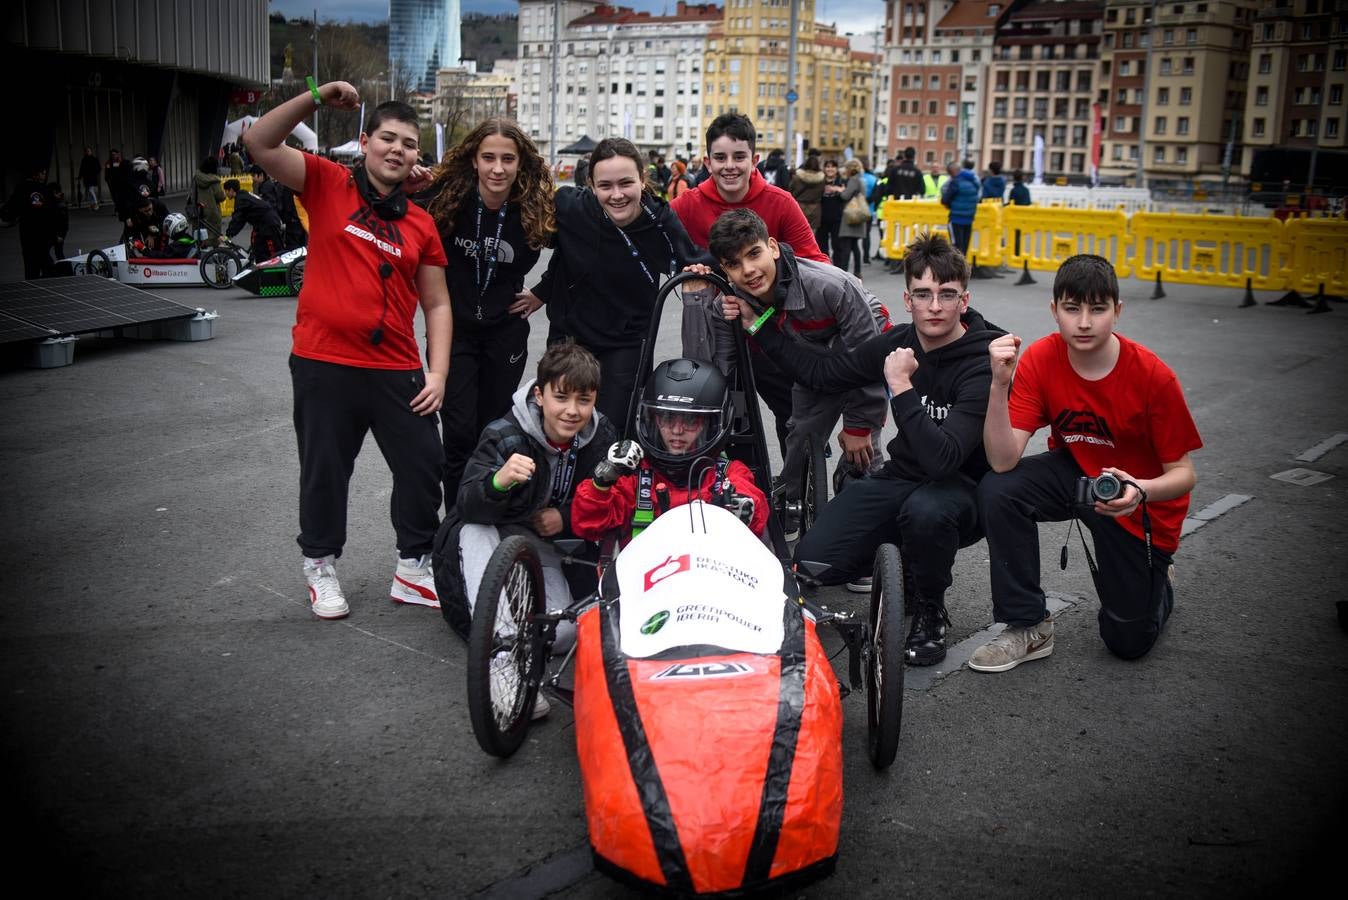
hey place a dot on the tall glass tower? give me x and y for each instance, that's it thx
(423, 36)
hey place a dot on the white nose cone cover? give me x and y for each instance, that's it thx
(702, 578)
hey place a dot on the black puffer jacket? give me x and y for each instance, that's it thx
(519, 431)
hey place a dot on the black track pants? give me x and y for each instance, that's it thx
(484, 373)
(929, 521)
(1134, 601)
(335, 406)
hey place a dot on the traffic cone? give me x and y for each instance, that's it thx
(1025, 275)
(1249, 294)
(1159, 292)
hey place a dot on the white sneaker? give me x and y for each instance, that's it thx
(505, 687)
(414, 582)
(325, 592)
(861, 584)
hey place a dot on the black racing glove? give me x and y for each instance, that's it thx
(623, 459)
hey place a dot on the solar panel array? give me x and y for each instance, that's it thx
(78, 304)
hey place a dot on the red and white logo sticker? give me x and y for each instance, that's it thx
(672, 565)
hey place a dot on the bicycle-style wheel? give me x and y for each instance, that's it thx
(813, 483)
(506, 652)
(98, 264)
(219, 266)
(884, 659)
(295, 276)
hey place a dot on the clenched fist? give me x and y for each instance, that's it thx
(900, 365)
(1003, 353)
(623, 459)
(517, 470)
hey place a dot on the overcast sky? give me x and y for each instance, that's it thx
(850, 15)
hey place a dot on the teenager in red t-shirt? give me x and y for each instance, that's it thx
(1115, 408)
(355, 364)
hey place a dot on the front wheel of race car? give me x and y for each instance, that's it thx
(506, 651)
(98, 264)
(218, 268)
(884, 661)
(813, 483)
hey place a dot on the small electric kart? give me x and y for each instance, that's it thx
(708, 716)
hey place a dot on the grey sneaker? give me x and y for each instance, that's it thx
(861, 585)
(1015, 645)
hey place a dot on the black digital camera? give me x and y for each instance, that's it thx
(1101, 489)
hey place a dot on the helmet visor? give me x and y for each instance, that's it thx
(678, 432)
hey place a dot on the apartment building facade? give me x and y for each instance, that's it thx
(1298, 77)
(1043, 80)
(747, 63)
(619, 73)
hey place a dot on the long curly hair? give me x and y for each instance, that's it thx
(455, 180)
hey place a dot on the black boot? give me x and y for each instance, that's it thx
(926, 640)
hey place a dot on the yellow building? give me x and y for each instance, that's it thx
(746, 71)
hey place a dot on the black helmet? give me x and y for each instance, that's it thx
(692, 401)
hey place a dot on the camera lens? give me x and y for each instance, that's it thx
(1107, 488)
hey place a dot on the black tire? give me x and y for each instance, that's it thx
(295, 275)
(813, 483)
(98, 264)
(884, 659)
(218, 268)
(514, 575)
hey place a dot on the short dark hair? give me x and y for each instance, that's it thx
(569, 366)
(910, 153)
(732, 125)
(931, 252)
(1086, 277)
(396, 110)
(231, 184)
(735, 230)
(995, 167)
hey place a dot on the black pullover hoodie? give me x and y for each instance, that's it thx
(940, 420)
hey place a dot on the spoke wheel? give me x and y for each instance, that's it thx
(98, 264)
(295, 275)
(506, 652)
(218, 268)
(813, 483)
(884, 659)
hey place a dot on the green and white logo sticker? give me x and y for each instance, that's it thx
(655, 622)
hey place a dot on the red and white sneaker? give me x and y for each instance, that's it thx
(325, 592)
(413, 582)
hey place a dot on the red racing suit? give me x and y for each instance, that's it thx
(596, 511)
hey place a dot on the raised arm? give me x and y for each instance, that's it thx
(266, 139)
(1002, 443)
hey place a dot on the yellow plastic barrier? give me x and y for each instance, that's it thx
(986, 240)
(1048, 235)
(1318, 255)
(245, 182)
(1216, 250)
(904, 219)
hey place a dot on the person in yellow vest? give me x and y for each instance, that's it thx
(933, 182)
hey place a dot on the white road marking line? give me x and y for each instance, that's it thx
(1323, 447)
(1210, 512)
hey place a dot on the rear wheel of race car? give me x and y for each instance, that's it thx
(884, 661)
(98, 264)
(295, 276)
(506, 652)
(219, 266)
(813, 483)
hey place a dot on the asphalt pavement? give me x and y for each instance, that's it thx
(176, 722)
